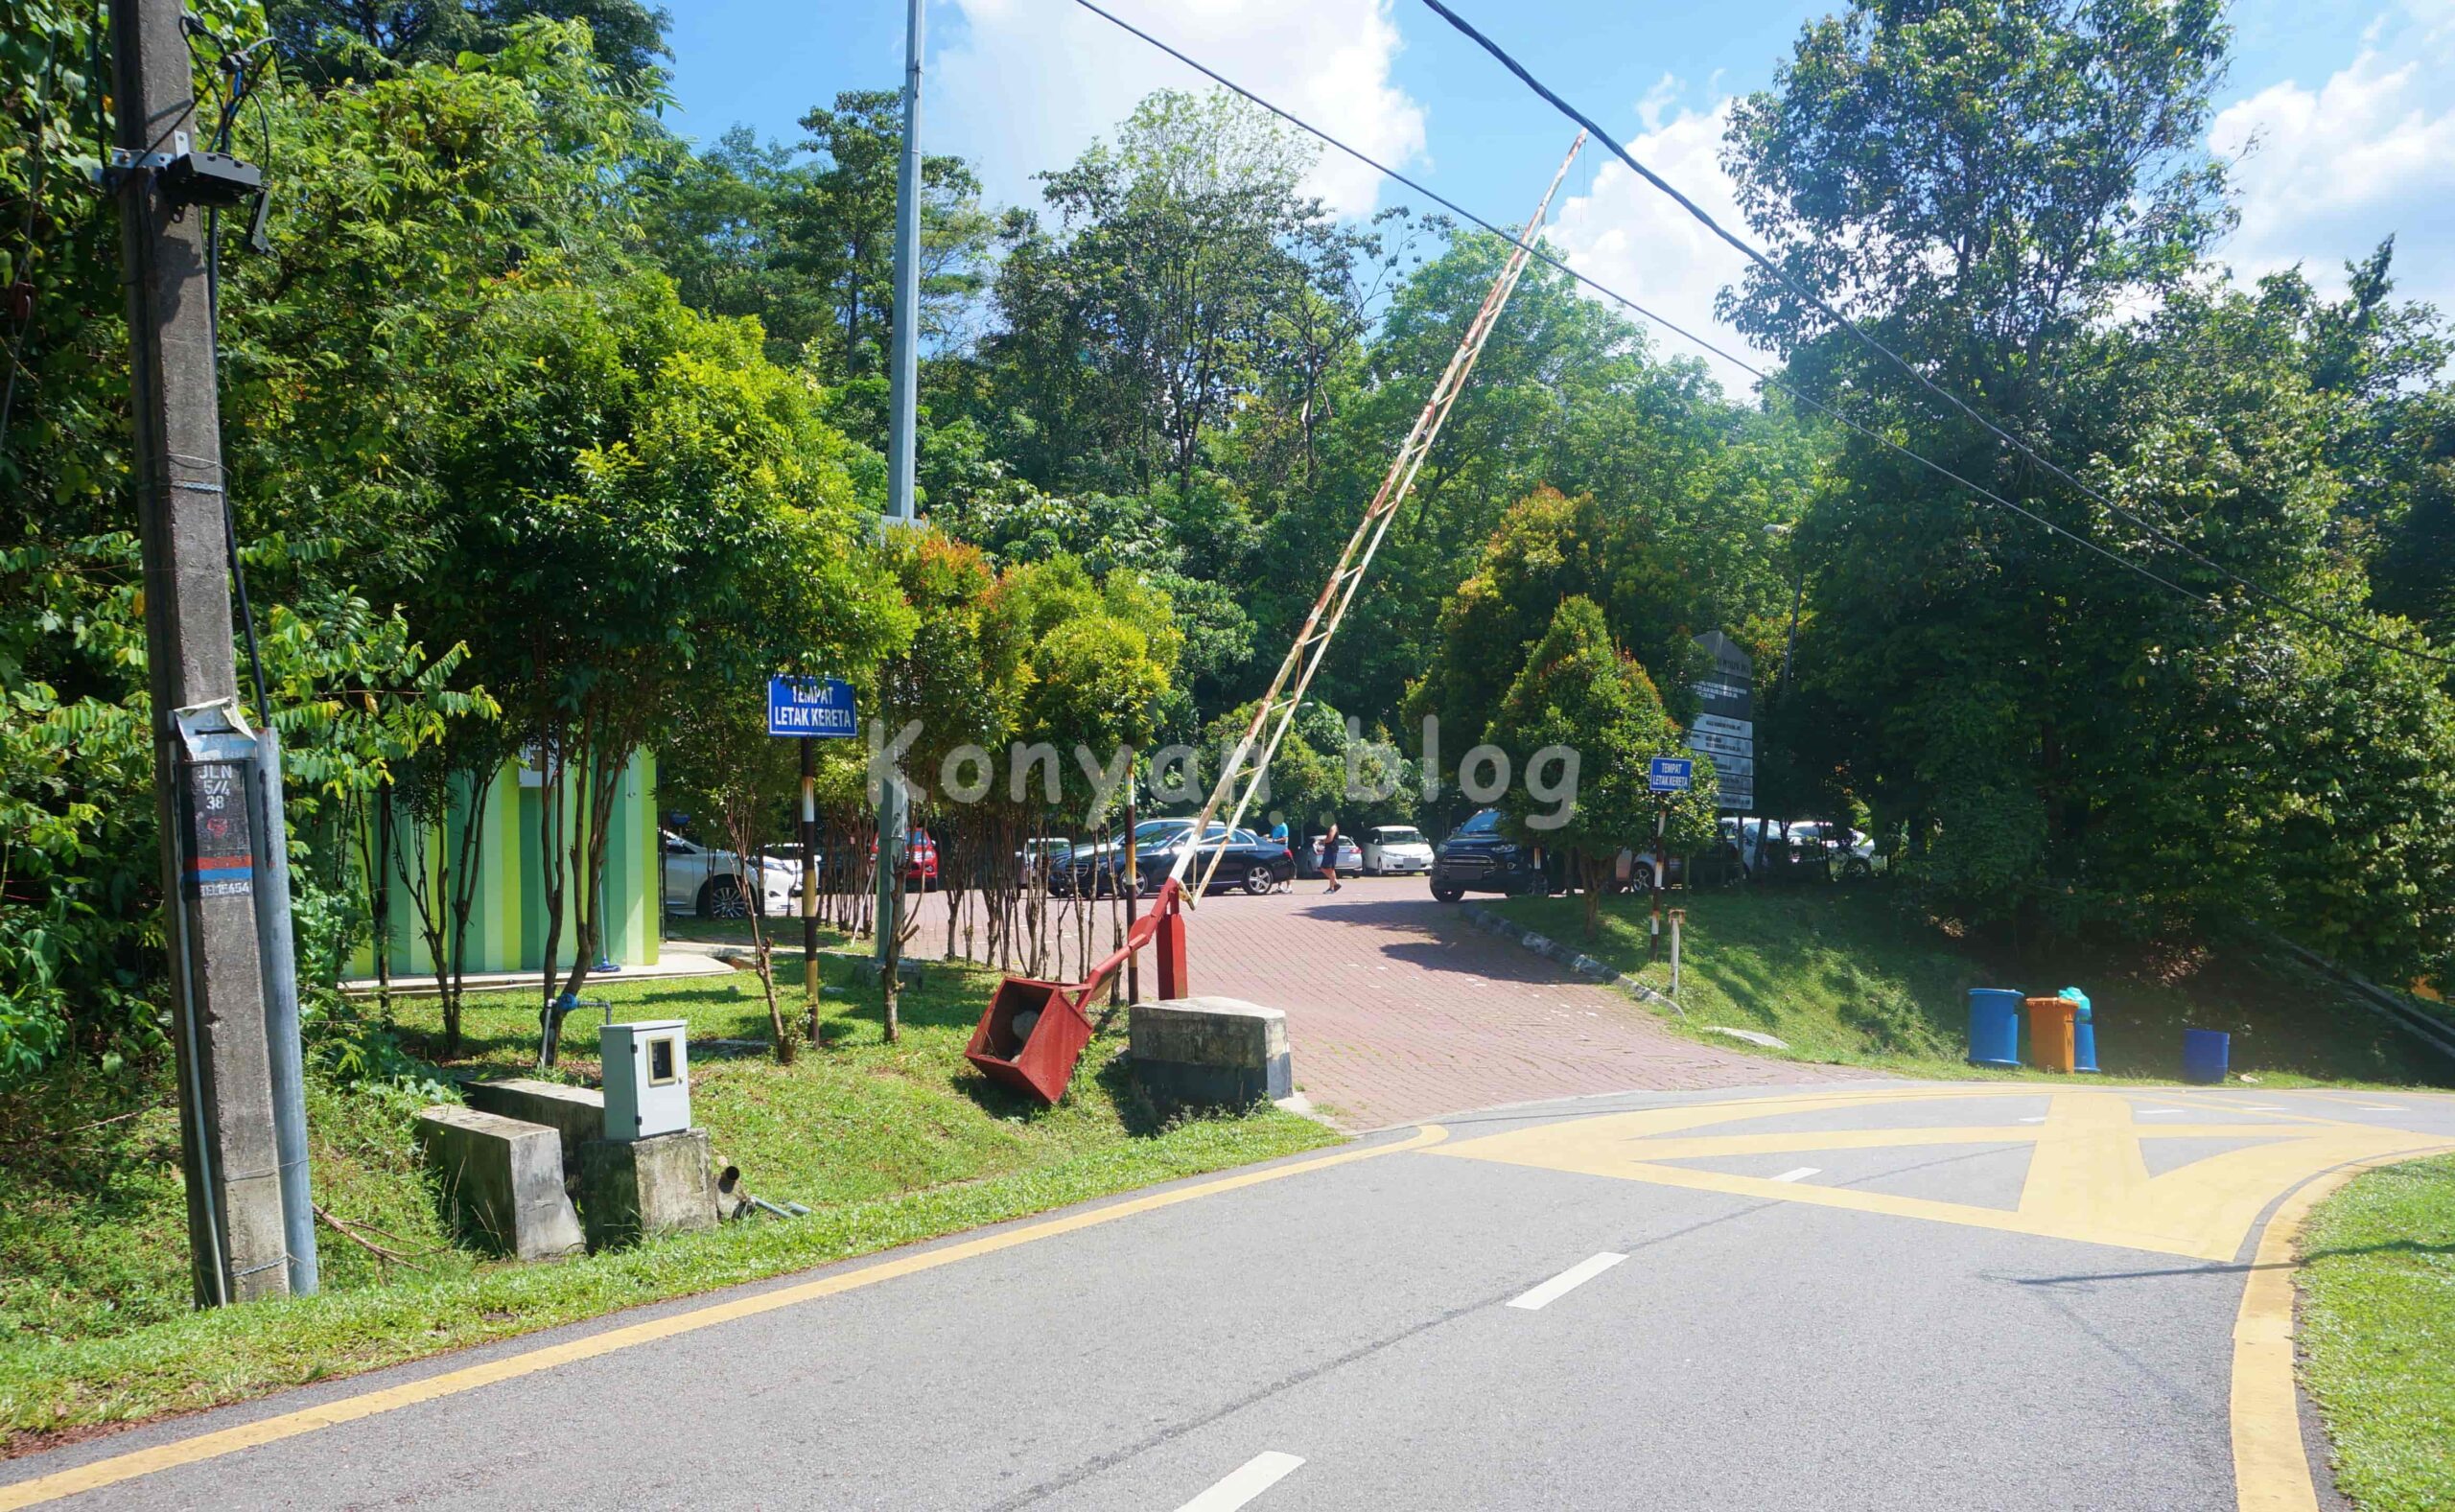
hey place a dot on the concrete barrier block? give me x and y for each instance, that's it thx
(630, 1189)
(578, 1113)
(908, 972)
(1211, 1052)
(502, 1181)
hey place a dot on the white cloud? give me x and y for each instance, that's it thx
(1628, 235)
(2327, 172)
(1029, 84)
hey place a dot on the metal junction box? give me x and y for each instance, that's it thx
(647, 1077)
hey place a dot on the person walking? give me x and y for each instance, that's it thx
(1330, 857)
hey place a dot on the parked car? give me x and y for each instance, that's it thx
(718, 884)
(1717, 866)
(920, 859)
(1810, 850)
(1308, 856)
(1478, 858)
(1253, 862)
(1849, 855)
(1397, 850)
(1046, 861)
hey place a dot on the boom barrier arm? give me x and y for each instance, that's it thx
(1276, 711)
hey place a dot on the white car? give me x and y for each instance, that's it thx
(718, 884)
(1397, 850)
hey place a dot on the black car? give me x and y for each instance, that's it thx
(1253, 862)
(1478, 858)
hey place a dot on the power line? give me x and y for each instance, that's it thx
(1796, 286)
(1665, 322)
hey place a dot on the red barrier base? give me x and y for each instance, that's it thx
(1041, 1062)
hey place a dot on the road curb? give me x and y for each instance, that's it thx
(1583, 965)
(2272, 1471)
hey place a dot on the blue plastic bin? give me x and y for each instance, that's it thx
(2084, 1033)
(2206, 1054)
(1994, 1027)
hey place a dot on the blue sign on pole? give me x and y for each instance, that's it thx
(818, 707)
(1669, 773)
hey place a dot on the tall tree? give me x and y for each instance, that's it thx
(325, 40)
(1188, 272)
(843, 225)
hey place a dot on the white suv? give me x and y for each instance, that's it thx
(1397, 850)
(718, 884)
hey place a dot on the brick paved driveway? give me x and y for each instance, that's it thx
(1397, 1009)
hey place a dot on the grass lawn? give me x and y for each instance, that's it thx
(2378, 1334)
(888, 1144)
(1843, 974)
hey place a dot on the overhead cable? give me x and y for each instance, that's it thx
(1784, 276)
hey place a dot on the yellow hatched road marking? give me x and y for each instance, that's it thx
(2086, 1180)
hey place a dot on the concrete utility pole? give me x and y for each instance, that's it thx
(903, 410)
(202, 748)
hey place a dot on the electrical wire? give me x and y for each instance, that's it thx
(1665, 322)
(233, 65)
(1784, 276)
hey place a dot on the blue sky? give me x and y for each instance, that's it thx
(2350, 104)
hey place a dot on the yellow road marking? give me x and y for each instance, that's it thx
(2086, 1178)
(2270, 1472)
(450, 1383)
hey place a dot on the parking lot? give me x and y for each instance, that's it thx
(1397, 1009)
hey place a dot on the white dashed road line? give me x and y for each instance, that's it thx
(1249, 1480)
(1800, 1174)
(1567, 1281)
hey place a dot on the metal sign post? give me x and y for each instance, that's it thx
(1664, 776)
(811, 708)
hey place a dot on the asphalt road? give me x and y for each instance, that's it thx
(1827, 1297)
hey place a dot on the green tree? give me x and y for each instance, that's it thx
(2015, 195)
(644, 507)
(323, 41)
(1187, 276)
(842, 226)
(1577, 692)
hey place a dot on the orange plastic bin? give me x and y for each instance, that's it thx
(2052, 1038)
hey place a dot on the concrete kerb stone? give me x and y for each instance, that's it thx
(502, 1180)
(1583, 965)
(578, 1113)
(630, 1189)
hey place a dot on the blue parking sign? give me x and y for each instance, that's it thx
(816, 707)
(1669, 773)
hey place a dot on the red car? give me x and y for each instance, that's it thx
(920, 858)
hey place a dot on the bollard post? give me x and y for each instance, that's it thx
(1678, 916)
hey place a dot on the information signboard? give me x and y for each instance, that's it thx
(816, 707)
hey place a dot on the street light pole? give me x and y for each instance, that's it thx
(903, 410)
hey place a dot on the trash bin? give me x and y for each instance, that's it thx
(2206, 1054)
(2084, 1033)
(1994, 1027)
(2052, 1021)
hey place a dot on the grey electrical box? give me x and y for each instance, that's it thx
(647, 1077)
